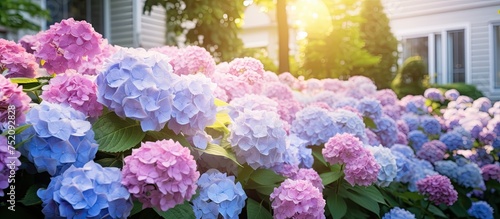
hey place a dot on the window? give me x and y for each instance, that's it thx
(416, 47)
(496, 54)
(456, 56)
(88, 10)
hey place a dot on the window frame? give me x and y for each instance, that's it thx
(494, 55)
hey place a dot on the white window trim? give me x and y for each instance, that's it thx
(491, 42)
(443, 30)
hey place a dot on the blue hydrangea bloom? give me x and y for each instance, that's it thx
(138, 84)
(469, 175)
(218, 195)
(398, 213)
(482, 157)
(447, 168)
(430, 125)
(387, 162)
(386, 130)
(193, 106)
(346, 101)
(421, 169)
(348, 122)
(416, 139)
(59, 136)
(90, 191)
(370, 107)
(302, 156)
(404, 171)
(411, 120)
(458, 138)
(403, 149)
(258, 138)
(314, 125)
(481, 210)
(417, 105)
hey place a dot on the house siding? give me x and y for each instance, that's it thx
(153, 27)
(121, 23)
(410, 18)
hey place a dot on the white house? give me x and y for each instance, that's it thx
(458, 39)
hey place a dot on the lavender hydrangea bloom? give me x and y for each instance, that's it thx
(415, 104)
(491, 172)
(386, 97)
(430, 125)
(304, 154)
(421, 169)
(439, 189)
(328, 97)
(314, 125)
(434, 94)
(251, 102)
(417, 138)
(59, 136)
(398, 213)
(387, 162)
(483, 104)
(480, 210)
(138, 85)
(297, 199)
(370, 107)
(386, 131)
(432, 151)
(90, 191)
(403, 149)
(258, 138)
(482, 157)
(346, 101)
(411, 120)
(219, 195)
(451, 94)
(9, 160)
(193, 106)
(349, 122)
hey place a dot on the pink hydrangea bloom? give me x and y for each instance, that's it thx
(333, 84)
(401, 138)
(250, 71)
(193, 60)
(343, 149)
(288, 79)
(386, 97)
(271, 77)
(97, 64)
(75, 90)
(277, 90)
(17, 62)
(68, 45)
(229, 86)
(28, 42)
(160, 174)
(297, 199)
(491, 171)
(310, 175)
(287, 109)
(12, 96)
(363, 170)
(439, 189)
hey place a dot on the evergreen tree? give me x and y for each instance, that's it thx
(379, 41)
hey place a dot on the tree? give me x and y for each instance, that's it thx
(216, 24)
(13, 14)
(339, 52)
(283, 39)
(379, 41)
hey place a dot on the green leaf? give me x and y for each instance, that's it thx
(265, 190)
(219, 102)
(459, 210)
(23, 80)
(31, 198)
(179, 211)
(167, 134)
(256, 211)
(217, 150)
(317, 153)
(244, 174)
(371, 192)
(369, 123)
(110, 162)
(222, 120)
(337, 206)
(330, 177)
(436, 211)
(136, 208)
(266, 177)
(362, 201)
(115, 134)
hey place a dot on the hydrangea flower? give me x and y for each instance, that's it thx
(330, 98)
(403, 149)
(250, 71)
(420, 170)
(480, 210)
(386, 97)
(370, 108)
(297, 147)
(342, 149)
(363, 170)
(28, 42)
(430, 125)
(12, 96)
(434, 94)
(393, 111)
(277, 90)
(9, 160)
(193, 60)
(386, 130)
(68, 45)
(372, 137)
(138, 85)
(432, 151)
(193, 106)
(412, 121)
(90, 191)
(458, 138)
(349, 122)
(287, 109)
(75, 90)
(483, 104)
(401, 138)
(398, 213)
(481, 157)
(219, 195)
(333, 84)
(341, 102)
(387, 162)
(491, 172)
(314, 125)
(258, 138)
(451, 94)
(469, 176)
(447, 168)
(59, 136)
(251, 102)
(403, 127)
(310, 175)
(297, 199)
(417, 138)
(404, 171)
(230, 86)
(439, 189)
(415, 104)
(17, 62)
(160, 174)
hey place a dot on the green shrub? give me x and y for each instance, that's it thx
(411, 78)
(463, 89)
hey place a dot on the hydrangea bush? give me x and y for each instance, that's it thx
(113, 132)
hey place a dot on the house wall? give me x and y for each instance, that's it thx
(153, 27)
(413, 18)
(121, 23)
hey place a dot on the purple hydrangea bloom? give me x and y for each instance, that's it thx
(9, 161)
(330, 98)
(90, 191)
(430, 125)
(398, 213)
(12, 95)
(387, 162)
(491, 172)
(483, 104)
(412, 121)
(333, 84)
(434, 94)
(138, 84)
(420, 170)
(480, 210)
(386, 130)
(482, 157)
(160, 174)
(439, 189)
(393, 111)
(258, 138)
(314, 125)
(345, 101)
(372, 137)
(363, 170)
(416, 139)
(218, 195)
(415, 104)
(59, 136)
(349, 122)
(451, 94)
(386, 97)
(297, 199)
(17, 62)
(370, 107)
(28, 42)
(343, 149)
(432, 151)
(403, 127)
(193, 106)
